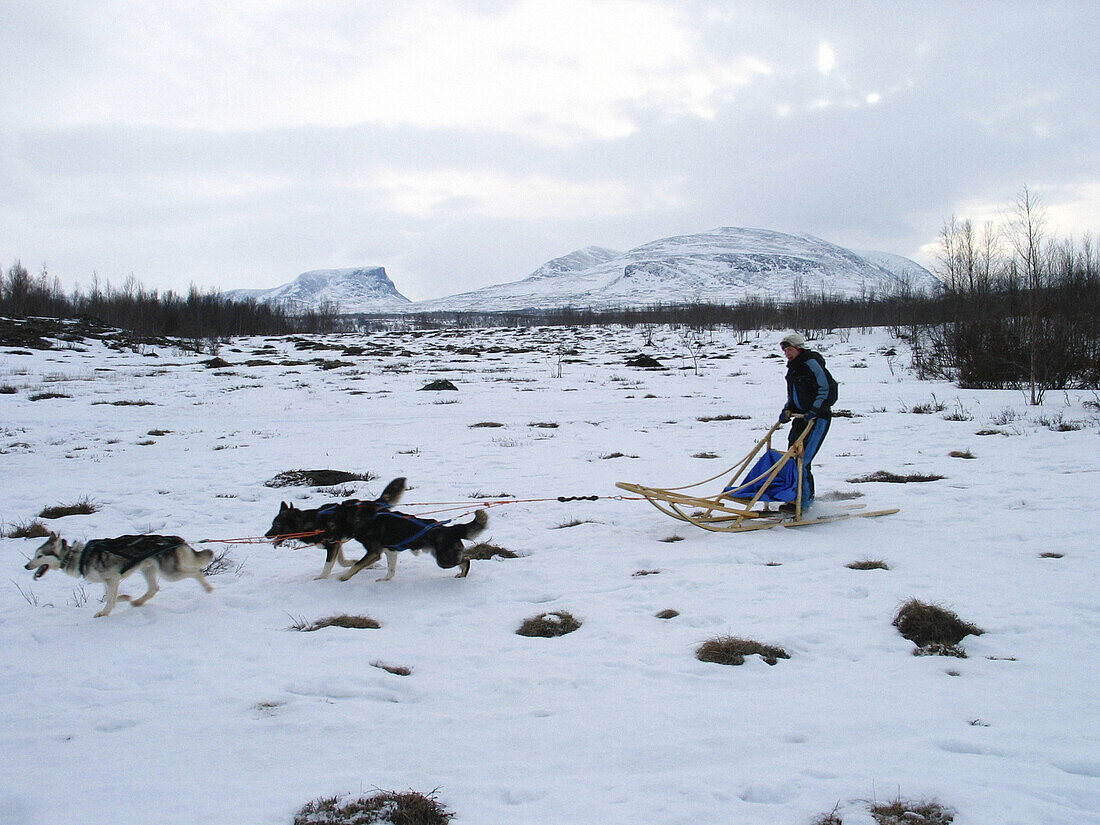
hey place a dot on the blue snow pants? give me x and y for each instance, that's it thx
(809, 449)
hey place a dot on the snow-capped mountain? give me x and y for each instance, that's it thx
(577, 261)
(358, 289)
(906, 269)
(724, 265)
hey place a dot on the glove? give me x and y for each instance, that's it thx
(784, 415)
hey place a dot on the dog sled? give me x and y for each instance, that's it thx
(768, 477)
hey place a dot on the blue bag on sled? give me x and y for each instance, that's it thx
(784, 487)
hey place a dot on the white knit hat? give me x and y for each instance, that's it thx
(793, 339)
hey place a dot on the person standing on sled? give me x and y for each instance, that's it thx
(811, 393)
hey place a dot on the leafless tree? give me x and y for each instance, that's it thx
(1025, 230)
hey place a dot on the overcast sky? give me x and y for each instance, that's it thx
(461, 143)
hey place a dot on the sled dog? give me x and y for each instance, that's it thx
(389, 531)
(335, 523)
(109, 561)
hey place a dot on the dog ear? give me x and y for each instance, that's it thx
(283, 506)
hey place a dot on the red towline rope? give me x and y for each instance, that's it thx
(261, 539)
(450, 505)
(458, 505)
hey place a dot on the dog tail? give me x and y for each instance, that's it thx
(481, 518)
(393, 492)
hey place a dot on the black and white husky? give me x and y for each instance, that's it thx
(111, 560)
(388, 531)
(330, 526)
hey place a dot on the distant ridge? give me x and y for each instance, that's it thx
(356, 289)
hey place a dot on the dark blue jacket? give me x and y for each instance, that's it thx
(809, 385)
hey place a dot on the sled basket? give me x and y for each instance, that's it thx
(783, 486)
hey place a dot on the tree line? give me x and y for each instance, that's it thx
(148, 313)
(1021, 307)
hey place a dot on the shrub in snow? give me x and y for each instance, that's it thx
(646, 362)
(383, 808)
(731, 650)
(905, 812)
(316, 478)
(831, 818)
(893, 478)
(548, 625)
(933, 629)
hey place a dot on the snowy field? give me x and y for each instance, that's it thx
(200, 708)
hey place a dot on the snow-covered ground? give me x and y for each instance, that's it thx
(201, 708)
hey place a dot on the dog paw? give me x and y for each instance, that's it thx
(384, 579)
(101, 614)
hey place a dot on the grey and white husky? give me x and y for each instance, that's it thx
(111, 560)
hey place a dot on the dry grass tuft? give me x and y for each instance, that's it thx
(831, 818)
(868, 564)
(893, 478)
(84, 507)
(222, 563)
(549, 625)
(668, 613)
(732, 650)
(906, 812)
(316, 478)
(342, 620)
(933, 629)
(33, 529)
(45, 396)
(484, 550)
(383, 808)
(573, 523)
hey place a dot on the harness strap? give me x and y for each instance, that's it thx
(427, 527)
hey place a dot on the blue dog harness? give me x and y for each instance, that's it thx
(426, 526)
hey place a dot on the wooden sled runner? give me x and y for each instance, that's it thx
(739, 507)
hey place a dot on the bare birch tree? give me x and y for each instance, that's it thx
(1025, 229)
